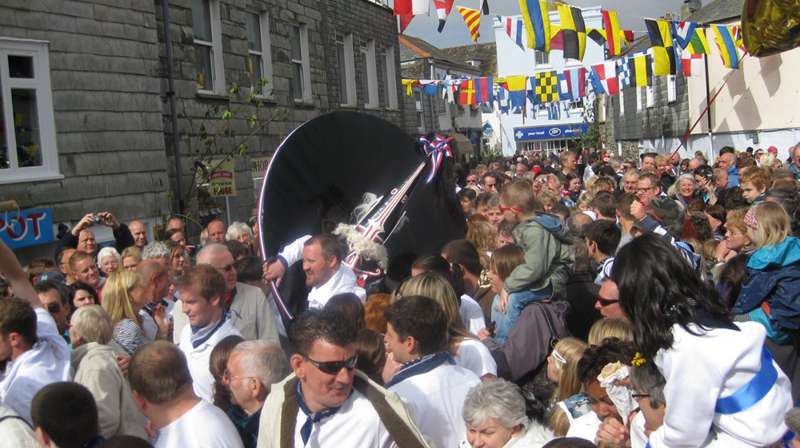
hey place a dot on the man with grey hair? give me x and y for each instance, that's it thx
(139, 232)
(253, 367)
(247, 307)
(156, 250)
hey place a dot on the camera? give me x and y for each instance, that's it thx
(97, 219)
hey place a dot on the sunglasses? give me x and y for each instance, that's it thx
(605, 302)
(334, 367)
(54, 307)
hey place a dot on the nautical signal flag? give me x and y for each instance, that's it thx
(472, 17)
(613, 33)
(724, 37)
(606, 75)
(623, 72)
(660, 33)
(641, 70)
(537, 23)
(515, 28)
(690, 36)
(413, 7)
(574, 31)
(544, 87)
(572, 84)
(692, 64)
(443, 8)
(485, 7)
(484, 90)
(466, 92)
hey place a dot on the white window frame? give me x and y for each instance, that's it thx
(40, 83)
(420, 110)
(391, 79)
(601, 108)
(650, 96)
(672, 89)
(621, 102)
(304, 63)
(371, 75)
(348, 98)
(639, 99)
(217, 57)
(265, 54)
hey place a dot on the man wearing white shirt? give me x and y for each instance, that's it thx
(429, 381)
(202, 289)
(36, 353)
(326, 275)
(162, 388)
(326, 402)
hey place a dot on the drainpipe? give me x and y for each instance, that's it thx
(173, 109)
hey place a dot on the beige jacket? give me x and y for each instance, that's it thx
(269, 431)
(96, 368)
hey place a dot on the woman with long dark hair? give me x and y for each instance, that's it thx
(720, 379)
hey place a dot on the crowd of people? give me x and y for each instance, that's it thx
(594, 301)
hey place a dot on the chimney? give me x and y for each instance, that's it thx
(690, 7)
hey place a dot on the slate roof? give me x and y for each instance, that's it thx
(718, 11)
(485, 53)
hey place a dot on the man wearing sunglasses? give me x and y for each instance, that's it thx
(429, 381)
(326, 402)
(607, 301)
(54, 299)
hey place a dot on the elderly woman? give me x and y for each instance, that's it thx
(241, 232)
(95, 366)
(684, 189)
(494, 413)
(108, 260)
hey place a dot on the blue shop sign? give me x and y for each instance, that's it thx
(28, 227)
(555, 132)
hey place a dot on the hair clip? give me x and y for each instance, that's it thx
(638, 360)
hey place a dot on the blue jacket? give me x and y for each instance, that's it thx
(773, 276)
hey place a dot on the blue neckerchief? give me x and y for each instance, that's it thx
(420, 366)
(203, 334)
(311, 417)
(246, 425)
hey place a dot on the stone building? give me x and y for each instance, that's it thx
(87, 98)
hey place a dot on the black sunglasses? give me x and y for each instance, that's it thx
(334, 367)
(605, 302)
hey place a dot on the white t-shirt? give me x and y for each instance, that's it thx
(475, 357)
(198, 358)
(46, 362)
(205, 425)
(472, 314)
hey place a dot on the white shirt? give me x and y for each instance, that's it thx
(343, 281)
(585, 427)
(204, 425)
(436, 399)
(474, 356)
(605, 271)
(149, 326)
(701, 369)
(472, 314)
(198, 358)
(46, 362)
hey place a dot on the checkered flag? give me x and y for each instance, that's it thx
(546, 88)
(623, 73)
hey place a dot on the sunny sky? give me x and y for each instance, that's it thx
(630, 12)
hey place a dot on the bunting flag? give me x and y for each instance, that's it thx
(472, 17)
(537, 23)
(690, 36)
(692, 64)
(430, 87)
(664, 62)
(606, 75)
(516, 87)
(574, 30)
(641, 70)
(572, 84)
(443, 8)
(405, 19)
(554, 111)
(726, 43)
(503, 104)
(515, 28)
(485, 7)
(613, 33)
(623, 73)
(544, 87)
(466, 92)
(409, 85)
(597, 35)
(413, 7)
(484, 90)
(628, 36)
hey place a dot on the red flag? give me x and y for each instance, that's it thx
(557, 42)
(405, 19)
(402, 7)
(466, 93)
(443, 8)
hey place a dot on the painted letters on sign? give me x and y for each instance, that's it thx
(27, 227)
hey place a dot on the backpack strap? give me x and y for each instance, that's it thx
(398, 429)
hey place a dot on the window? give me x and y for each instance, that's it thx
(420, 113)
(601, 108)
(27, 128)
(208, 46)
(259, 54)
(672, 93)
(300, 81)
(347, 71)
(542, 58)
(371, 75)
(638, 98)
(391, 78)
(650, 96)
(621, 102)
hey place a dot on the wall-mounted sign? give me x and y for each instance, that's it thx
(555, 132)
(28, 227)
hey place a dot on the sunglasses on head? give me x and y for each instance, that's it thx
(605, 302)
(334, 367)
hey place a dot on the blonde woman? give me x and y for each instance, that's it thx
(773, 278)
(131, 257)
(123, 298)
(466, 349)
(610, 328)
(562, 369)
